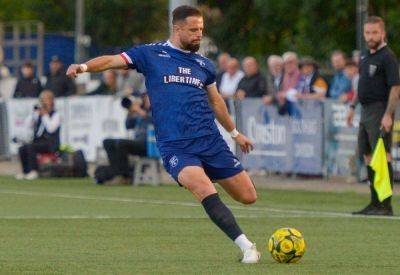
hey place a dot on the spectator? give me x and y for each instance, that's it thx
(291, 78)
(57, 81)
(130, 81)
(28, 85)
(4, 71)
(45, 122)
(118, 150)
(231, 79)
(311, 84)
(253, 84)
(223, 60)
(356, 57)
(340, 84)
(351, 71)
(108, 85)
(291, 75)
(274, 77)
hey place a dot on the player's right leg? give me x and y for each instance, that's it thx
(198, 183)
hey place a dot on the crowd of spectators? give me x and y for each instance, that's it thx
(114, 82)
(288, 78)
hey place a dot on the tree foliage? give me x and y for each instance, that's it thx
(242, 27)
(309, 27)
(108, 22)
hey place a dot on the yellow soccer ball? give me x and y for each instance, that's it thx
(287, 245)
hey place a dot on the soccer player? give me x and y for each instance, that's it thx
(184, 102)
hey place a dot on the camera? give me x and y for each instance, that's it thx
(37, 107)
(127, 101)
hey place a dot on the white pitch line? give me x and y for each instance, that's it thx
(128, 217)
(191, 204)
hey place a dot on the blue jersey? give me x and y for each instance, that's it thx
(176, 82)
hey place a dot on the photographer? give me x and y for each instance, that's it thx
(118, 150)
(45, 122)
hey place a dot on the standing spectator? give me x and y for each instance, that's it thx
(253, 84)
(351, 71)
(57, 81)
(274, 77)
(4, 71)
(231, 79)
(130, 81)
(340, 84)
(311, 84)
(28, 85)
(291, 78)
(108, 85)
(223, 60)
(45, 122)
(356, 57)
(291, 75)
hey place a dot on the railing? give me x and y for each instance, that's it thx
(315, 141)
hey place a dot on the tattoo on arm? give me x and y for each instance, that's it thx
(393, 99)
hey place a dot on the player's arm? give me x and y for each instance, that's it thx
(218, 105)
(98, 64)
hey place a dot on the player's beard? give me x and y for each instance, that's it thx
(192, 47)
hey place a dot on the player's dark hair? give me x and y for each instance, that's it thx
(375, 20)
(183, 12)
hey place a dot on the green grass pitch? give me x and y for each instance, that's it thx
(74, 227)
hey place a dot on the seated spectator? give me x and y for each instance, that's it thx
(45, 122)
(351, 71)
(231, 79)
(253, 84)
(118, 150)
(28, 85)
(223, 60)
(57, 80)
(130, 81)
(108, 85)
(340, 84)
(311, 84)
(274, 77)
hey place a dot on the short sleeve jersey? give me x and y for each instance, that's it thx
(176, 81)
(378, 73)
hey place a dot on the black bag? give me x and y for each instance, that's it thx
(71, 165)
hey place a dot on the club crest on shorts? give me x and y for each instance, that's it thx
(236, 163)
(372, 70)
(173, 161)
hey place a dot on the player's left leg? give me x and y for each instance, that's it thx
(240, 188)
(198, 183)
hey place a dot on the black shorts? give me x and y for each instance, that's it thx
(369, 131)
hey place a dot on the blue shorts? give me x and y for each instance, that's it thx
(210, 152)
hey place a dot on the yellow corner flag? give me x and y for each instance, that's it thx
(380, 166)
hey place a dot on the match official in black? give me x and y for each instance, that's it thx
(378, 93)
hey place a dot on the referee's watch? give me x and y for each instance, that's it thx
(352, 106)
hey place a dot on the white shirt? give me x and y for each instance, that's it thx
(229, 83)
